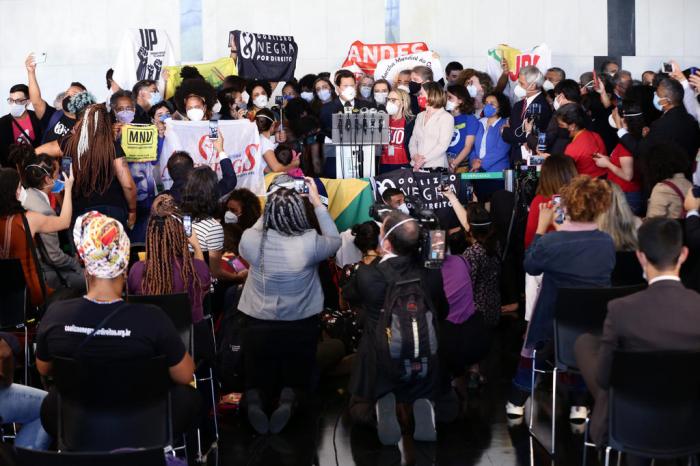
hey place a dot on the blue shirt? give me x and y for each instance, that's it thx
(493, 151)
(465, 125)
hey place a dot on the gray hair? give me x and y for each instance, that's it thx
(533, 75)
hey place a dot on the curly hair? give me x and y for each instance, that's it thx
(195, 87)
(586, 198)
(79, 102)
(250, 204)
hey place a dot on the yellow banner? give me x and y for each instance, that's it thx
(214, 72)
(140, 143)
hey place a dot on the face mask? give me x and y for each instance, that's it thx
(125, 116)
(392, 108)
(64, 104)
(164, 117)
(195, 114)
(307, 96)
(324, 95)
(245, 97)
(489, 110)
(657, 102)
(230, 217)
(472, 90)
(349, 93)
(380, 97)
(519, 92)
(16, 110)
(548, 85)
(422, 101)
(414, 87)
(22, 195)
(449, 106)
(556, 104)
(403, 87)
(217, 107)
(404, 208)
(260, 101)
(155, 98)
(366, 91)
(611, 121)
(58, 186)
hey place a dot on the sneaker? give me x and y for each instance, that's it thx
(578, 414)
(514, 411)
(280, 417)
(256, 416)
(424, 419)
(388, 427)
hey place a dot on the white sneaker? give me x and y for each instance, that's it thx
(578, 414)
(514, 411)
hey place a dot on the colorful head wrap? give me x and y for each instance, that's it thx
(102, 245)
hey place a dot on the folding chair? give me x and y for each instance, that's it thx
(13, 312)
(141, 457)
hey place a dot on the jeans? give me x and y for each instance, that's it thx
(22, 404)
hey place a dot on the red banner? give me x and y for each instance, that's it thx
(366, 56)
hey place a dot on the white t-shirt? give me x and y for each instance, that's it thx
(210, 234)
(266, 145)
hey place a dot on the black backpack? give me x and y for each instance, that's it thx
(406, 332)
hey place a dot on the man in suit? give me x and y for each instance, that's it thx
(675, 125)
(664, 317)
(345, 102)
(531, 113)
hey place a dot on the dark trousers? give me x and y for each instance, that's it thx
(461, 345)
(279, 354)
(586, 349)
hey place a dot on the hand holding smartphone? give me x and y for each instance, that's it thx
(39, 57)
(187, 224)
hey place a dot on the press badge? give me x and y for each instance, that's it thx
(391, 151)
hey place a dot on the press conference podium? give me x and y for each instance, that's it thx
(357, 141)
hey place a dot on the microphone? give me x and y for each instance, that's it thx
(364, 122)
(348, 124)
(340, 127)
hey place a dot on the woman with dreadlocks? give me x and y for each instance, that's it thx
(102, 178)
(169, 267)
(282, 299)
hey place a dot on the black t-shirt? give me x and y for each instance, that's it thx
(136, 331)
(59, 129)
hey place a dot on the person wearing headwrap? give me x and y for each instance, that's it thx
(119, 331)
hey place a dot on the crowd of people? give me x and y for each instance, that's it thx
(614, 205)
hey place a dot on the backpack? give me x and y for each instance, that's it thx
(406, 332)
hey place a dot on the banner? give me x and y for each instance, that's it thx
(366, 56)
(143, 54)
(388, 69)
(241, 144)
(140, 143)
(214, 72)
(262, 56)
(539, 56)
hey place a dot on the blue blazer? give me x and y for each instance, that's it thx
(497, 150)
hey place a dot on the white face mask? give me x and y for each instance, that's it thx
(472, 90)
(380, 97)
(307, 96)
(611, 121)
(403, 87)
(548, 85)
(404, 208)
(392, 108)
(260, 101)
(245, 97)
(556, 104)
(349, 93)
(16, 110)
(519, 92)
(195, 114)
(449, 106)
(217, 107)
(22, 196)
(366, 91)
(230, 217)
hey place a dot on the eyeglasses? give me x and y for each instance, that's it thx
(11, 101)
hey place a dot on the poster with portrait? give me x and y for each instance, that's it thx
(143, 54)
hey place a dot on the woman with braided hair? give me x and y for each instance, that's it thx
(282, 299)
(169, 267)
(102, 178)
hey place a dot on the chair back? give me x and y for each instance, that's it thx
(579, 311)
(177, 307)
(655, 403)
(141, 457)
(120, 404)
(13, 294)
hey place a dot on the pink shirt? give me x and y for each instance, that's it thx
(26, 123)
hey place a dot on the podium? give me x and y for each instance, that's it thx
(358, 137)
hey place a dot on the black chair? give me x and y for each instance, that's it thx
(150, 457)
(122, 404)
(177, 307)
(13, 311)
(654, 417)
(577, 311)
(134, 251)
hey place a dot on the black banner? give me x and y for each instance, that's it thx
(262, 56)
(426, 188)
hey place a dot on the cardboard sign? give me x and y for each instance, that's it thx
(140, 143)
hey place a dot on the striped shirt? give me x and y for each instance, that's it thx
(210, 234)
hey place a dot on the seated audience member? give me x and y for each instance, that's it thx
(576, 241)
(19, 403)
(245, 206)
(370, 383)
(13, 234)
(666, 166)
(584, 143)
(664, 317)
(621, 224)
(395, 155)
(433, 130)
(169, 267)
(282, 299)
(180, 166)
(104, 248)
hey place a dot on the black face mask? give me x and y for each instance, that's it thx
(64, 104)
(414, 87)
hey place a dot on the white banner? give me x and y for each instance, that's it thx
(241, 144)
(539, 56)
(143, 54)
(388, 69)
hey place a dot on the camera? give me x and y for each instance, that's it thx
(445, 181)
(432, 236)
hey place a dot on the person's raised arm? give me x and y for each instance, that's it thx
(457, 206)
(38, 103)
(39, 223)
(51, 148)
(121, 168)
(329, 241)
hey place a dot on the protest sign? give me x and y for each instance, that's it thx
(263, 56)
(214, 73)
(143, 54)
(140, 143)
(366, 56)
(539, 56)
(388, 69)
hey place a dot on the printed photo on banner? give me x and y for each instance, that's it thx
(388, 69)
(264, 56)
(366, 56)
(539, 56)
(214, 73)
(241, 144)
(143, 54)
(140, 143)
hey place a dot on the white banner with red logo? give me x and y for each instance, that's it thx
(241, 144)
(388, 69)
(366, 56)
(539, 56)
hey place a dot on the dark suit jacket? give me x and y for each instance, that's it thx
(6, 138)
(691, 269)
(676, 126)
(664, 317)
(516, 121)
(336, 106)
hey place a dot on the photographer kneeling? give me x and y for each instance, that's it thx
(402, 301)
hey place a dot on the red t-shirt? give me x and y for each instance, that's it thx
(533, 217)
(26, 124)
(394, 153)
(627, 186)
(581, 149)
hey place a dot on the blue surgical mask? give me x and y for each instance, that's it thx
(155, 98)
(489, 110)
(164, 117)
(324, 95)
(58, 186)
(657, 102)
(125, 116)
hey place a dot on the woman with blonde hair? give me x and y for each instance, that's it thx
(433, 130)
(396, 155)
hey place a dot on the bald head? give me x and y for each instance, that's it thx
(402, 232)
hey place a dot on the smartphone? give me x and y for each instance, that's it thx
(693, 71)
(445, 181)
(536, 160)
(558, 210)
(696, 191)
(279, 100)
(667, 67)
(66, 163)
(437, 245)
(542, 142)
(301, 187)
(213, 129)
(187, 224)
(40, 57)
(470, 192)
